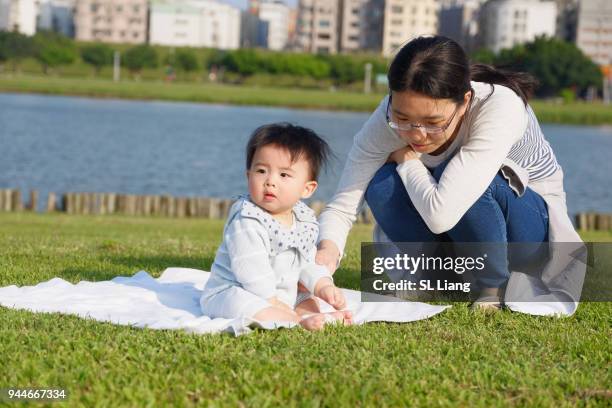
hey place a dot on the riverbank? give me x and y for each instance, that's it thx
(575, 113)
(456, 358)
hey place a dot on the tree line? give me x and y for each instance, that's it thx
(53, 50)
(559, 66)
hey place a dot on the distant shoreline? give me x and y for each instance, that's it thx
(577, 113)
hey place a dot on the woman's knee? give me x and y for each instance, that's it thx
(485, 219)
(383, 186)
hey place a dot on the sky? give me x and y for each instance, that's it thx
(243, 3)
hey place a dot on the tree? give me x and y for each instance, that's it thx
(15, 47)
(242, 61)
(53, 49)
(483, 56)
(4, 52)
(346, 69)
(186, 60)
(139, 57)
(97, 55)
(556, 64)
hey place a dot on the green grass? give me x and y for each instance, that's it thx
(574, 113)
(456, 358)
(192, 92)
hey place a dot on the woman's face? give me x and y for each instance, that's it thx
(428, 125)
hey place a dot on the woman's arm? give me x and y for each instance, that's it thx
(371, 148)
(498, 123)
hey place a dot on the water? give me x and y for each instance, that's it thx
(60, 144)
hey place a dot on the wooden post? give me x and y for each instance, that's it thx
(86, 203)
(147, 204)
(181, 207)
(167, 206)
(33, 203)
(120, 204)
(591, 221)
(93, 205)
(224, 207)
(171, 206)
(602, 222)
(176, 206)
(8, 200)
(51, 203)
(112, 203)
(214, 208)
(132, 204)
(204, 207)
(103, 203)
(192, 207)
(163, 206)
(78, 203)
(66, 203)
(17, 203)
(96, 203)
(156, 205)
(139, 204)
(1, 200)
(582, 222)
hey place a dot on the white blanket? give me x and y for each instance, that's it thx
(172, 302)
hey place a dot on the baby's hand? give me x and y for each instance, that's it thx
(332, 295)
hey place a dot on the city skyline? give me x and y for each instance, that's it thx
(243, 3)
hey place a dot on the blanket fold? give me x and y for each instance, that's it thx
(171, 302)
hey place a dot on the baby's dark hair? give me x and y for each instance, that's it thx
(299, 142)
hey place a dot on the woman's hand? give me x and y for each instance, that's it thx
(328, 255)
(401, 155)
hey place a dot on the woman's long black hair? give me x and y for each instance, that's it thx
(438, 67)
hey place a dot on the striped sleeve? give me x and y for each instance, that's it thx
(249, 257)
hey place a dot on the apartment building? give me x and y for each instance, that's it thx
(276, 14)
(351, 24)
(594, 30)
(18, 15)
(506, 23)
(459, 20)
(407, 19)
(567, 14)
(56, 15)
(201, 23)
(115, 21)
(319, 26)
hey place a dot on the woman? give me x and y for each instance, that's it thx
(468, 162)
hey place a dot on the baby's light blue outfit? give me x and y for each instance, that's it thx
(259, 259)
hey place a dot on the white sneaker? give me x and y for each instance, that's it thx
(489, 299)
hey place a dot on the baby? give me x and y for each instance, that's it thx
(269, 239)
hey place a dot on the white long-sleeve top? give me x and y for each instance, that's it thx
(498, 132)
(265, 258)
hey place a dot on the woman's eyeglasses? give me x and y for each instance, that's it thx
(406, 127)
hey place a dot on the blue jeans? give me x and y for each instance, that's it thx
(498, 216)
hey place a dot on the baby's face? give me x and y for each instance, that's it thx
(275, 183)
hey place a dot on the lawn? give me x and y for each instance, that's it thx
(456, 358)
(572, 113)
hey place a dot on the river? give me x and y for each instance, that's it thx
(61, 144)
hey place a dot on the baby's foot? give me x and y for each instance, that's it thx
(348, 317)
(317, 321)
